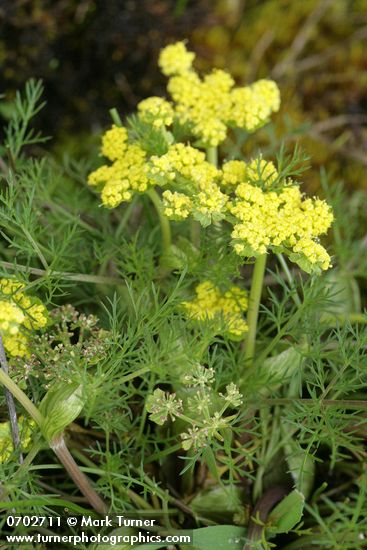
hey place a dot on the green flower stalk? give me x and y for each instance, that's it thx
(253, 306)
(163, 220)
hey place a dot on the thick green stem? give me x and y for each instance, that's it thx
(253, 307)
(164, 222)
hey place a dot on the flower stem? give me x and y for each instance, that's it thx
(195, 230)
(289, 276)
(212, 155)
(80, 479)
(253, 308)
(164, 222)
(195, 227)
(115, 117)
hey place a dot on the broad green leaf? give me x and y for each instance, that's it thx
(281, 367)
(217, 537)
(344, 300)
(219, 503)
(210, 461)
(181, 255)
(301, 466)
(344, 293)
(304, 263)
(287, 513)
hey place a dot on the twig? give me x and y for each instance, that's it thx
(10, 404)
(336, 121)
(356, 154)
(316, 60)
(78, 277)
(302, 38)
(258, 53)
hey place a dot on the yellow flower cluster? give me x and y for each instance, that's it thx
(186, 168)
(179, 161)
(266, 219)
(18, 313)
(253, 105)
(6, 441)
(156, 111)
(128, 172)
(114, 143)
(233, 173)
(266, 212)
(175, 59)
(177, 206)
(228, 307)
(211, 104)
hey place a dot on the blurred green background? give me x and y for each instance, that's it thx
(94, 55)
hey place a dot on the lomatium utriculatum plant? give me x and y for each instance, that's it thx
(174, 144)
(159, 345)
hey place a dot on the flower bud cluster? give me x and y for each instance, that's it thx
(204, 411)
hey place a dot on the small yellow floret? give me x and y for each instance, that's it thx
(253, 105)
(233, 173)
(211, 200)
(123, 178)
(175, 59)
(270, 219)
(177, 206)
(11, 317)
(156, 111)
(180, 160)
(114, 143)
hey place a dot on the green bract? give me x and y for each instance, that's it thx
(61, 405)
